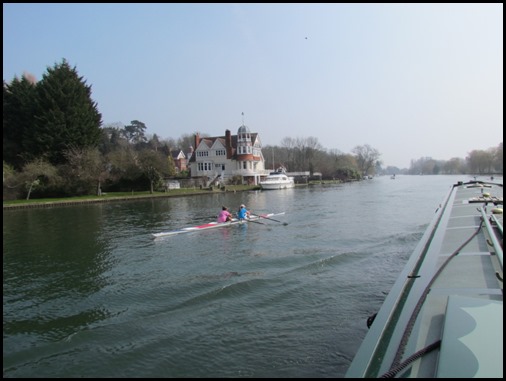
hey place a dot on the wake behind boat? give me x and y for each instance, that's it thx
(214, 225)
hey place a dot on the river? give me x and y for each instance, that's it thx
(87, 292)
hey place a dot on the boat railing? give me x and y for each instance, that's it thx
(497, 223)
(491, 233)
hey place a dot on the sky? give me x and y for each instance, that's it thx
(410, 80)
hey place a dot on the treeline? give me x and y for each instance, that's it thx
(308, 154)
(480, 162)
(54, 145)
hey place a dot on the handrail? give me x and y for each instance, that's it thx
(491, 233)
(497, 222)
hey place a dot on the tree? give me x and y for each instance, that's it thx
(9, 182)
(454, 166)
(111, 138)
(429, 167)
(185, 142)
(38, 174)
(87, 170)
(366, 158)
(480, 161)
(498, 158)
(123, 165)
(153, 165)
(155, 142)
(171, 166)
(66, 116)
(311, 147)
(18, 118)
(287, 154)
(134, 132)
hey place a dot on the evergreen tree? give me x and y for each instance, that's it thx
(66, 116)
(135, 132)
(18, 118)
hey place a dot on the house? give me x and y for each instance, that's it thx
(180, 161)
(220, 158)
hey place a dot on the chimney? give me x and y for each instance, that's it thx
(228, 143)
(197, 139)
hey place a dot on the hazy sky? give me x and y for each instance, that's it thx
(411, 80)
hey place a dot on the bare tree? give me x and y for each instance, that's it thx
(88, 168)
(38, 173)
(480, 161)
(366, 158)
(498, 158)
(153, 165)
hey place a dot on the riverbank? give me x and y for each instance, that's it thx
(113, 197)
(125, 196)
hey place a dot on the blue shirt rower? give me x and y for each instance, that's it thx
(243, 213)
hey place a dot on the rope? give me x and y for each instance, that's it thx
(392, 372)
(411, 322)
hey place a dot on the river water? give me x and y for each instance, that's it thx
(87, 292)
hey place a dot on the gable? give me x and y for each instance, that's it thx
(219, 143)
(255, 140)
(205, 144)
(178, 155)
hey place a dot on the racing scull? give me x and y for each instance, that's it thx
(214, 224)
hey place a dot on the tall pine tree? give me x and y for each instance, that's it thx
(66, 116)
(18, 118)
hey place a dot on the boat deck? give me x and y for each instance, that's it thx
(443, 316)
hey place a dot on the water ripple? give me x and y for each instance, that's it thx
(99, 298)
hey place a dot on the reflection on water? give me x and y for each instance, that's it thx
(89, 293)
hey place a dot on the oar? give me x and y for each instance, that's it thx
(268, 218)
(256, 222)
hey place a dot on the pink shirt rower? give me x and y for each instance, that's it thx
(224, 215)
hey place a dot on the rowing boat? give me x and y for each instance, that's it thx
(214, 225)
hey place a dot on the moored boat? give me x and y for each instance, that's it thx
(444, 315)
(277, 180)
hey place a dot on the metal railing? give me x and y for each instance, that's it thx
(493, 237)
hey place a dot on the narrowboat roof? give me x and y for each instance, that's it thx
(444, 315)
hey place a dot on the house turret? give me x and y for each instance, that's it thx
(244, 145)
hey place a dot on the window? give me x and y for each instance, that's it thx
(204, 166)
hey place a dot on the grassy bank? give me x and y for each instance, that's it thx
(120, 196)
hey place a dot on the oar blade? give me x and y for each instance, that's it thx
(272, 219)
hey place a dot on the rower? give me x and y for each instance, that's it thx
(243, 213)
(225, 215)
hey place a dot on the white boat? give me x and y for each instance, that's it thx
(214, 225)
(278, 180)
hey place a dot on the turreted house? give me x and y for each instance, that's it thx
(220, 158)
